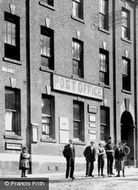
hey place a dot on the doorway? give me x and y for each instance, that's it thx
(127, 135)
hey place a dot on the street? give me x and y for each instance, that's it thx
(130, 182)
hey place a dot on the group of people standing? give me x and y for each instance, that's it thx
(90, 153)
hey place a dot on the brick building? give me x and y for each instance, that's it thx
(68, 70)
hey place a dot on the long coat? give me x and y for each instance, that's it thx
(89, 154)
(69, 152)
(119, 159)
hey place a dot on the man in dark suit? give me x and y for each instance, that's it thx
(110, 156)
(90, 154)
(69, 154)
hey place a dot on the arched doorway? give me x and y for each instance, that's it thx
(127, 135)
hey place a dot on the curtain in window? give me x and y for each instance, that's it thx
(10, 31)
(8, 120)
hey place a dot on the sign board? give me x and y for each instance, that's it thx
(24, 183)
(64, 123)
(13, 146)
(92, 131)
(34, 132)
(68, 85)
(92, 124)
(92, 118)
(92, 109)
(64, 136)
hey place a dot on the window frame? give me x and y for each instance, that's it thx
(47, 32)
(79, 13)
(127, 27)
(104, 23)
(51, 116)
(12, 51)
(49, 2)
(16, 124)
(80, 121)
(105, 73)
(79, 61)
(126, 78)
(106, 125)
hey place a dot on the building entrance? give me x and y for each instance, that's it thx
(127, 135)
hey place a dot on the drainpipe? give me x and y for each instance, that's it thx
(135, 86)
(114, 72)
(28, 129)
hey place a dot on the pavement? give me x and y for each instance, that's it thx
(57, 181)
(129, 182)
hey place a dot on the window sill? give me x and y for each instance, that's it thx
(12, 61)
(103, 30)
(46, 5)
(78, 142)
(126, 40)
(12, 136)
(104, 85)
(78, 78)
(127, 92)
(49, 140)
(45, 69)
(77, 19)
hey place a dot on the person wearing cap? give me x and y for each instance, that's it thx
(119, 160)
(90, 155)
(101, 158)
(24, 162)
(110, 156)
(69, 154)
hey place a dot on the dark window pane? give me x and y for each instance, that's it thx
(49, 2)
(77, 8)
(125, 23)
(104, 123)
(12, 111)
(77, 53)
(47, 48)
(45, 61)
(76, 130)
(46, 108)
(104, 67)
(12, 36)
(10, 100)
(103, 16)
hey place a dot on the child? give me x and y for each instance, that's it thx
(24, 161)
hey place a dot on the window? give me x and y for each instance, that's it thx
(104, 123)
(12, 111)
(49, 2)
(78, 120)
(104, 66)
(126, 74)
(125, 24)
(103, 15)
(47, 48)
(48, 117)
(77, 8)
(77, 53)
(12, 36)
